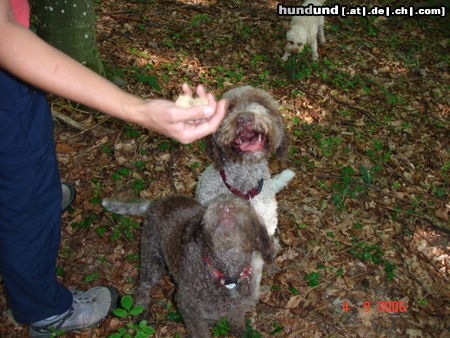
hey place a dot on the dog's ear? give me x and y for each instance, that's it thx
(193, 228)
(280, 138)
(281, 151)
(264, 242)
(214, 152)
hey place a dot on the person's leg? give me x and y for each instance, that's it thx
(30, 204)
(30, 211)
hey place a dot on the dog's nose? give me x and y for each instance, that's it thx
(245, 119)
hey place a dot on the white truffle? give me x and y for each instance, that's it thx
(186, 101)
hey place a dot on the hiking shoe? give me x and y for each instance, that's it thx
(68, 195)
(87, 310)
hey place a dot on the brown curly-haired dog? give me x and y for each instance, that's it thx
(240, 149)
(208, 251)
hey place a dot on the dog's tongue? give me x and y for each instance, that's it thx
(251, 142)
(251, 146)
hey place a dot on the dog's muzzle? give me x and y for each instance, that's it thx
(249, 139)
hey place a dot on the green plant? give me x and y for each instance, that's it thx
(329, 145)
(277, 328)
(97, 192)
(174, 316)
(131, 131)
(389, 268)
(345, 188)
(91, 277)
(106, 148)
(127, 308)
(250, 332)
(439, 192)
(117, 175)
(222, 328)
(141, 74)
(312, 279)
(298, 67)
(84, 223)
(140, 330)
(125, 227)
(138, 185)
(373, 253)
(294, 290)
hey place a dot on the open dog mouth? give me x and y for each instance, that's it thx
(250, 141)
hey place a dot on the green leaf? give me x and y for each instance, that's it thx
(367, 179)
(127, 302)
(294, 290)
(146, 329)
(96, 200)
(89, 278)
(115, 335)
(277, 329)
(137, 310)
(175, 316)
(120, 312)
(312, 279)
(100, 230)
(221, 328)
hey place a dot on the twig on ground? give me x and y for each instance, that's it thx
(69, 121)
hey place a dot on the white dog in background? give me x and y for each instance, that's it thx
(305, 30)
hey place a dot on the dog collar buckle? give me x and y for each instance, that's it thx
(228, 282)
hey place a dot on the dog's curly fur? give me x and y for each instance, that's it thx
(250, 133)
(178, 233)
(305, 30)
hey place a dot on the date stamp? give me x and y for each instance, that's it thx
(390, 306)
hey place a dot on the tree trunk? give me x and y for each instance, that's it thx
(70, 27)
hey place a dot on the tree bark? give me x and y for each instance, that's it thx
(70, 27)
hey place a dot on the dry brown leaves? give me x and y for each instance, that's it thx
(393, 115)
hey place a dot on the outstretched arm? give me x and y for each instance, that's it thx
(31, 59)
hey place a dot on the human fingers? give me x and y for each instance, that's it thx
(201, 91)
(210, 125)
(191, 114)
(186, 89)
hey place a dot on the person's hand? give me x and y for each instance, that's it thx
(185, 125)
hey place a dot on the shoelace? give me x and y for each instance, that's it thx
(85, 297)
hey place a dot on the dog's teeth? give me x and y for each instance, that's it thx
(259, 138)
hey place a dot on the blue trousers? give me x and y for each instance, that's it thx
(30, 204)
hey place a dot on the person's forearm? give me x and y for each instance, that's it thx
(25, 55)
(28, 57)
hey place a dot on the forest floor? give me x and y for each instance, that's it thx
(363, 226)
